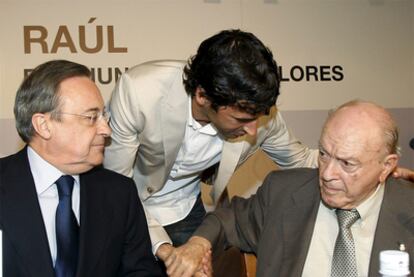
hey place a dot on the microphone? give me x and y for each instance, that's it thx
(412, 143)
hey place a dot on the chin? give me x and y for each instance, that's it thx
(337, 203)
(233, 136)
(330, 202)
(79, 169)
(95, 160)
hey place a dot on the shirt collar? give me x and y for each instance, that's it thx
(372, 204)
(206, 129)
(44, 174)
(369, 207)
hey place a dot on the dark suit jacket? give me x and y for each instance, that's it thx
(114, 239)
(277, 223)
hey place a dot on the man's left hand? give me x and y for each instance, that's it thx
(404, 173)
(189, 258)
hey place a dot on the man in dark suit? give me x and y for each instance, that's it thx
(60, 212)
(294, 223)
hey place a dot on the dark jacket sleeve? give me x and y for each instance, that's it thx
(137, 257)
(239, 225)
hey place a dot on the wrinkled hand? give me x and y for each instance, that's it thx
(404, 173)
(206, 265)
(190, 259)
(206, 268)
(164, 251)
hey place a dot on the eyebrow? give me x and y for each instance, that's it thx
(320, 147)
(92, 110)
(243, 119)
(348, 159)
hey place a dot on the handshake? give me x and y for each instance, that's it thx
(191, 259)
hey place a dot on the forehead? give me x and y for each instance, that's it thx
(352, 134)
(80, 92)
(235, 112)
(343, 145)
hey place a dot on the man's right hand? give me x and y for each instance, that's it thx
(164, 251)
(192, 258)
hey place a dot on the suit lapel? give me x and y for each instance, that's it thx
(229, 160)
(298, 224)
(95, 223)
(236, 151)
(395, 224)
(174, 114)
(22, 219)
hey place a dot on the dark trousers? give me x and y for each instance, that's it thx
(182, 230)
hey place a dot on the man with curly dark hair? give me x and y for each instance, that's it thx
(173, 120)
(175, 124)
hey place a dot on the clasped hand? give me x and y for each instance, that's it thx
(190, 259)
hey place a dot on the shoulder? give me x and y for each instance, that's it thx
(11, 160)
(159, 67)
(400, 189)
(108, 179)
(273, 118)
(397, 206)
(272, 124)
(150, 81)
(281, 183)
(293, 176)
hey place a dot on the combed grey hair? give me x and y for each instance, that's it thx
(39, 93)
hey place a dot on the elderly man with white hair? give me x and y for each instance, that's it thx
(331, 221)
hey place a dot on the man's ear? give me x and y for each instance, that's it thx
(41, 124)
(389, 164)
(200, 97)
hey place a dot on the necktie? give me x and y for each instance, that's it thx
(343, 260)
(67, 230)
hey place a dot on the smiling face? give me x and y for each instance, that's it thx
(352, 157)
(75, 144)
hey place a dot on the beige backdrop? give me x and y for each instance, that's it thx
(330, 51)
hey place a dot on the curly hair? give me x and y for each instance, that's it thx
(234, 68)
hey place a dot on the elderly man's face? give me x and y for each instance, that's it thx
(352, 160)
(77, 140)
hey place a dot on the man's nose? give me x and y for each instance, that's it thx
(104, 129)
(329, 170)
(251, 128)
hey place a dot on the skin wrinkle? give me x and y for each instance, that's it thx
(352, 161)
(71, 144)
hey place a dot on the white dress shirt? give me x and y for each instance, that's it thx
(200, 149)
(319, 258)
(45, 175)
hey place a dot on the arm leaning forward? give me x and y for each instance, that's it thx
(283, 147)
(127, 122)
